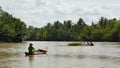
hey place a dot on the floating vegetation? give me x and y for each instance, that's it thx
(75, 44)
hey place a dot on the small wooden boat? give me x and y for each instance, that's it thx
(37, 52)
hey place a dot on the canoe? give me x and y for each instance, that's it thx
(37, 52)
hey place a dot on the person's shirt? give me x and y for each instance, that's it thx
(30, 49)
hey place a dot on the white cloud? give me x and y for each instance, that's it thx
(40, 12)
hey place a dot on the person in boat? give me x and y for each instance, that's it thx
(31, 49)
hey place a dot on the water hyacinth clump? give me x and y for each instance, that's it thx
(75, 44)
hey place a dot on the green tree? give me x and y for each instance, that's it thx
(11, 29)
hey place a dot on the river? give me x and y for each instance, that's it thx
(102, 55)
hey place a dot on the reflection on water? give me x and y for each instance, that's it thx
(31, 57)
(102, 55)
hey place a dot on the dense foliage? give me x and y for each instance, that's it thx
(104, 30)
(14, 30)
(11, 29)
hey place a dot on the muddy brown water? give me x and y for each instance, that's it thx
(102, 55)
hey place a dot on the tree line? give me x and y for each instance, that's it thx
(14, 30)
(104, 30)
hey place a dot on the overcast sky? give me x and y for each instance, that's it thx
(39, 12)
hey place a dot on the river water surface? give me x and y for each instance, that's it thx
(102, 55)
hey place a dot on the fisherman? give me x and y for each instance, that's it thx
(31, 49)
